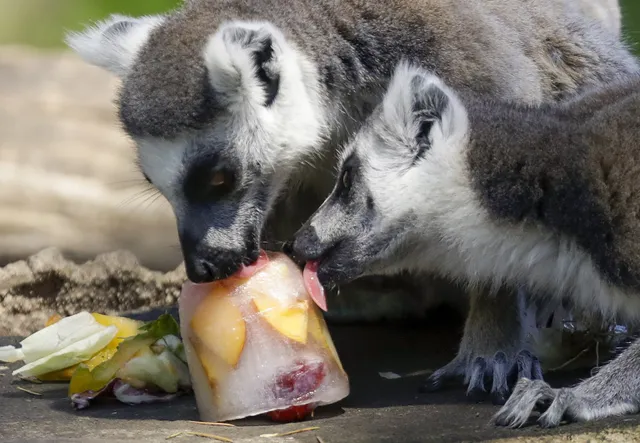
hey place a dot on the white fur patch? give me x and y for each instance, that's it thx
(113, 51)
(163, 162)
(295, 125)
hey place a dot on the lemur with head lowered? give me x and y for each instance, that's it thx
(237, 107)
(547, 197)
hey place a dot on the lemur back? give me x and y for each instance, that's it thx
(574, 169)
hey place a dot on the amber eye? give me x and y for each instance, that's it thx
(218, 179)
(346, 179)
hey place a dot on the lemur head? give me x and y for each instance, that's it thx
(395, 176)
(221, 112)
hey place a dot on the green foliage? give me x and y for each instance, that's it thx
(43, 23)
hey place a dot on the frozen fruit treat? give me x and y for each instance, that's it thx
(257, 344)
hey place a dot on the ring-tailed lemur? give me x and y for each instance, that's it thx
(547, 197)
(237, 106)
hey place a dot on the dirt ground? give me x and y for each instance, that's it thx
(377, 409)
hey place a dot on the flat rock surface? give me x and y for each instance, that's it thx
(377, 410)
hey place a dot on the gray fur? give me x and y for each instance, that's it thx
(355, 45)
(177, 97)
(545, 197)
(575, 175)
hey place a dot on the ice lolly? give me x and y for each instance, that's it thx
(257, 344)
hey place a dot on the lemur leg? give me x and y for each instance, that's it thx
(614, 390)
(493, 347)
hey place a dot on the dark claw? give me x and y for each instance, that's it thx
(500, 388)
(536, 369)
(542, 405)
(525, 362)
(434, 382)
(476, 390)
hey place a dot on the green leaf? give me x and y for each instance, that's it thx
(158, 328)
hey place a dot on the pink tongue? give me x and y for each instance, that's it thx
(313, 286)
(248, 271)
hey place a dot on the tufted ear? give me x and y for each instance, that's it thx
(422, 109)
(246, 58)
(112, 44)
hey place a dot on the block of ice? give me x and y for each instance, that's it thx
(256, 343)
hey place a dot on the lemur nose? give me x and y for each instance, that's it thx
(287, 247)
(307, 245)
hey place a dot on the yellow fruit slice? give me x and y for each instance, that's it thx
(290, 321)
(214, 367)
(126, 327)
(83, 381)
(219, 326)
(55, 318)
(320, 333)
(61, 375)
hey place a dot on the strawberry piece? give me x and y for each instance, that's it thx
(301, 381)
(294, 386)
(294, 413)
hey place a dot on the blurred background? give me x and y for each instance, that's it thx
(66, 172)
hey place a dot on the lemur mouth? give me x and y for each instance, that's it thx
(312, 284)
(247, 271)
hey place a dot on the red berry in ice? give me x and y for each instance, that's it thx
(295, 385)
(294, 413)
(301, 381)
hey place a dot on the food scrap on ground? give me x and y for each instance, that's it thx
(209, 423)
(200, 434)
(394, 376)
(28, 391)
(286, 434)
(102, 355)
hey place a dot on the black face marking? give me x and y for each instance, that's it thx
(346, 180)
(370, 204)
(210, 179)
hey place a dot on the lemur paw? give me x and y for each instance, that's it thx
(580, 403)
(476, 370)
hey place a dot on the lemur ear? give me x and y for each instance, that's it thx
(113, 44)
(423, 108)
(244, 58)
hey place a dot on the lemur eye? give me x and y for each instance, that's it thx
(346, 179)
(218, 179)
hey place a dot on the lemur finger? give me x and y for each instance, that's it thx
(528, 366)
(556, 411)
(536, 369)
(436, 380)
(476, 390)
(500, 386)
(518, 408)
